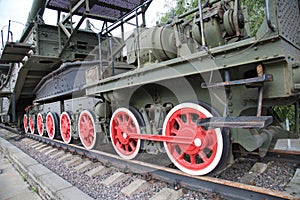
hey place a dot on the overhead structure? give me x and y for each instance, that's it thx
(42, 48)
(108, 11)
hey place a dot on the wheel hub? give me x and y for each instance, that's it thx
(197, 142)
(125, 135)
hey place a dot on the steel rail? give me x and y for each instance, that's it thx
(175, 177)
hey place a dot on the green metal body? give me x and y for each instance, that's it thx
(158, 83)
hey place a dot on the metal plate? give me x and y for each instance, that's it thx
(288, 19)
(14, 52)
(108, 8)
(30, 75)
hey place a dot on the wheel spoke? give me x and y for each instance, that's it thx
(179, 121)
(174, 131)
(193, 159)
(132, 145)
(126, 148)
(181, 156)
(188, 118)
(119, 120)
(203, 156)
(129, 123)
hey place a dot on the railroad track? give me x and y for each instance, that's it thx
(132, 175)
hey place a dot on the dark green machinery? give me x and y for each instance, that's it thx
(192, 88)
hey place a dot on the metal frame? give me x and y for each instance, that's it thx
(105, 29)
(61, 24)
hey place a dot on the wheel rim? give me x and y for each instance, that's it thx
(50, 125)
(87, 131)
(204, 153)
(65, 127)
(122, 122)
(25, 122)
(31, 124)
(40, 124)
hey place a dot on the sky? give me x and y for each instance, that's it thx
(18, 10)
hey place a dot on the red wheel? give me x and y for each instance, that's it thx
(65, 127)
(204, 154)
(31, 125)
(40, 124)
(87, 130)
(51, 124)
(25, 123)
(123, 122)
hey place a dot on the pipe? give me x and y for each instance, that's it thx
(8, 30)
(201, 23)
(37, 8)
(2, 39)
(100, 56)
(270, 25)
(297, 117)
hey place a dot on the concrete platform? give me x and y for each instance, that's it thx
(12, 184)
(47, 183)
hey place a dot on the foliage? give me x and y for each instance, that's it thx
(286, 112)
(181, 6)
(256, 10)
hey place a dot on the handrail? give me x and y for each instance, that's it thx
(121, 20)
(270, 25)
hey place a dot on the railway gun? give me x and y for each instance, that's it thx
(192, 88)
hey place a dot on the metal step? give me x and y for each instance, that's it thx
(236, 122)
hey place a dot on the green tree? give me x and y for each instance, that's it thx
(256, 10)
(181, 6)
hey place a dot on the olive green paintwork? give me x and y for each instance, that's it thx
(178, 80)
